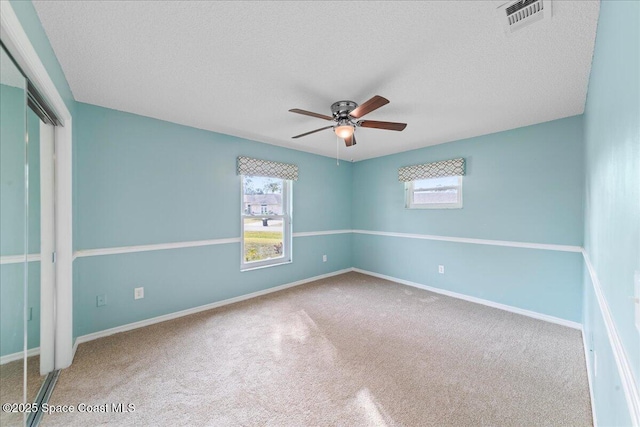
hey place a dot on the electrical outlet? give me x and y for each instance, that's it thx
(441, 269)
(101, 300)
(324, 258)
(138, 293)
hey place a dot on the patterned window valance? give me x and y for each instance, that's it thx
(257, 167)
(453, 167)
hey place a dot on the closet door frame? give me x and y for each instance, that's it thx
(47, 248)
(19, 46)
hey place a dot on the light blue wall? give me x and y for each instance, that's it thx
(523, 185)
(144, 181)
(543, 281)
(179, 279)
(612, 202)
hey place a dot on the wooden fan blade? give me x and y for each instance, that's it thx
(350, 140)
(309, 113)
(313, 131)
(372, 104)
(382, 125)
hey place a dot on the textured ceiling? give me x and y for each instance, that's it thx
(235, 67)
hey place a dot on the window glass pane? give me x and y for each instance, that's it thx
(262, 196)
(446, 181)
(435, 196)
(263, 238)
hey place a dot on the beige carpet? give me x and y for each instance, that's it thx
(11, 384)
(351, 350)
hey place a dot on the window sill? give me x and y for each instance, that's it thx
(260, 267)
(434, 207)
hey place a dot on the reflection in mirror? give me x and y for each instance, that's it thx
(13, 239)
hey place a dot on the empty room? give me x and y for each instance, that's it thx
(344, 213)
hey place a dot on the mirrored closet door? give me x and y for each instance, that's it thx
(26, 246)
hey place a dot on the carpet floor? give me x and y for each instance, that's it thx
(350, 350)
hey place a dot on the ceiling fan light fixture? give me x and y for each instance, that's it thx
(344, 131)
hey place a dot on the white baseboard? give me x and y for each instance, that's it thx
(528, 313)
(177, 314)
(587, 360)
(18, 356)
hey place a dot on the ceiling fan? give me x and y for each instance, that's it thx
(345, 114)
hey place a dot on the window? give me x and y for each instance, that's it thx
(434, 193)
(265, 221)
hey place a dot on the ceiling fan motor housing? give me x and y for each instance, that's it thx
(341, 109)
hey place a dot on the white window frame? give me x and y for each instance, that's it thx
(409, 203)
(286, 257)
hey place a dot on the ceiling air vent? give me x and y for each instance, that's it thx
(517, 14)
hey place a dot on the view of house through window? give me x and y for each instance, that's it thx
(266, 221)
(434, 193)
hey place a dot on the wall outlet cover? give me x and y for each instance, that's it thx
(324, 258)
(138, 293)
(101, 300)
(441, 269)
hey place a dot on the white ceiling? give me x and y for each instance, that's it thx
(236, 67)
